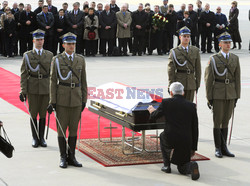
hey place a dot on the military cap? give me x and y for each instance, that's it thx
(184, 31)
(69, 38)
(38, 34)
(225, 36)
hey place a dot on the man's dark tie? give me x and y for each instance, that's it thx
(39, 52)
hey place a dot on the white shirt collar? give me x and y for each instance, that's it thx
(225, 55)
(72, 55)
(184, 48)
(41, 51)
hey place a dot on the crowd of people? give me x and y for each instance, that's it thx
(98, 27)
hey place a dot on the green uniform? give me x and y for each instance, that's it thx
(68, 90)
(35, 72)
(187, 72)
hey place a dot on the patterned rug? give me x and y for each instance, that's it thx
(110, 154)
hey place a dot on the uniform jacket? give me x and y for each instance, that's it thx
(121, 20)
(65, 95)
(181, 126)
(32, 85)
(220, 90)
(26, 29)
(207, 18)
(42, 23)
(139, 18)
(108, 20)
(89, 26)
(189, 81)
(78, 20)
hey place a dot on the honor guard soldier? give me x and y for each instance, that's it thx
(184, 65)
(35, 72)
(68, 96)
(222, 78)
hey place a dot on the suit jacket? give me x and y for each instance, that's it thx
(189, 23)
(9, 27)
(32, 85)
(53, 10)
(172, 21)
(13, 11)
(108, 20)
(219, 90)
(181, 126)
(139, 18)
(63, 95)
(199, 11)
(26, 29)
(76, 20)
(207, 18)
(189, 81)
(121, 20)
(220, 20)
(37, 10)
(115, 8)
(194, 17)
(60, 23)
(89, 26)
(42, 23)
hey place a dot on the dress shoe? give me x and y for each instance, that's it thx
(210, 52)
(134, 54)
(166, 169)
(139, 54)
(125, 54)
(35, 143)
(104, 55)
(63, 163)
(203, 52)
(195, 174)
(218, 153)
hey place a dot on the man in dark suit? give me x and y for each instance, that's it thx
(27, 21)
(98, 13)
(108, 23)
(65, 8)
(14, 9)
(194, 17)
(180, 19)
(113, 6)
(51, 8)
(199, 10)
(18, 28)
(139, 23)
(75, 20)
(46, 22)
(207, 24)
(220, 27)
(61, 29)
(180, 137)
(40, 7)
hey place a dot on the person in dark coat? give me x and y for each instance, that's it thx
(27, 21)
(98, 41)
(9, 31)
(51, 8)
(194, 17)
(61, 29)
(139, 23)
(208, 24)
(199, 10)
(40, 7)
(170, 27)
(18, 28)
(234, 25)
(180, 18)
(179, 139)
(46, 22)
(108, 23)
(148, 28)
(187, 21)
(14, 9)
(75, 20)
(113, 6)
(220, 27)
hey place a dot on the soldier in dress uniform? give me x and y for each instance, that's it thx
(35, 71)
(222, 78)
(184, 65)
(68, 96)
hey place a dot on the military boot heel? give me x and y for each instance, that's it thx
(63, 155)
(224, 148)
(71, 152)
(41, 132)
(217, 142)
(35, 141)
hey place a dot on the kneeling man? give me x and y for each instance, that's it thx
(180, 136)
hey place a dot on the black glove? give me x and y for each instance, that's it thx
(235, 102)
(83, 105)
(92, 28)
(22, 97)
(51, 107)
(210, 104)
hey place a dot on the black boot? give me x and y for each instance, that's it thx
(35, 141)
(63, 155)
(194, 170)
(234, 46)
(217, 142)
(167, 165)
(41, 132)
(71, 152)
(224, 148)
(239, 45)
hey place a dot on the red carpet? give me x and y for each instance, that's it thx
(9, 91)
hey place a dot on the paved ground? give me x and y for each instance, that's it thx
(40, 166)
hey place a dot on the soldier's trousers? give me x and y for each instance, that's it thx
(222, 112)
(38, 105)
(189, 95)
(69, 118)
